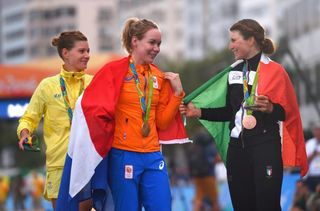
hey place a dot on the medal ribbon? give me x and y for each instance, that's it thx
(142, 95)
(65, 95)
(249, 98)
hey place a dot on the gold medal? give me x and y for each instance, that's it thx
(145, 130)
(249, 122)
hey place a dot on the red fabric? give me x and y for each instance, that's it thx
(176, 130)
(274, 82)
(99, 102)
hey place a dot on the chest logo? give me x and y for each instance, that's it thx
(269, 172)
(155, 82)
(57, 95)
(235, 77)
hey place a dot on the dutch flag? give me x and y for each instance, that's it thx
(85, 171)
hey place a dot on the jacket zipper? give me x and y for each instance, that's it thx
(241, 136)
(125, 129)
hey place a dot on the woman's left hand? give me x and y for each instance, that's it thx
(264, 104)
(175, 82)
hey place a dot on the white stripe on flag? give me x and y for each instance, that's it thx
(176, 141)
(81, 150)
(236, 63)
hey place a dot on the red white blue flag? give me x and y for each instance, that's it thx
(92, 130)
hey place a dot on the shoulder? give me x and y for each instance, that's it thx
(272, 70)
(110, 73)
(123, 62)
(235, 74)
(46, 85)
(238, 66)
(271, 65)
(276, 66)
(49, 80)
(156, 71)
(113, 69)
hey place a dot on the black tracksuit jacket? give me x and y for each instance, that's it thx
(267, 124)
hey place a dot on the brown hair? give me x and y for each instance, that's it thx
(67, 40)
(251, 28)
(135, 27)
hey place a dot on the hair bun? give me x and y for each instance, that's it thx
(55, 41)
(267, 46)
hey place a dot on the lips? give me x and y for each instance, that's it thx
(85, 62)
(153, 55)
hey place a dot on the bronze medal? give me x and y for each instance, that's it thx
(145, 130)
(249, 122)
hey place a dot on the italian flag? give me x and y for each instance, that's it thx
(212, 94)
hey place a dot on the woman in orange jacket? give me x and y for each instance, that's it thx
(137, 171)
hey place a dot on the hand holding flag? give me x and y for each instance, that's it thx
(212, 94)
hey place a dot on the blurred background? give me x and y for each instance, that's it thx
(194, 44)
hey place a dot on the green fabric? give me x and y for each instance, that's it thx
(212, 94)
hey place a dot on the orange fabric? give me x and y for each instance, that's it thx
(128, 116)
(38, 186)
(205, 187)
(274, 82)
(4, 189)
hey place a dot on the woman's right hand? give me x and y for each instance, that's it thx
(190, 110)
(175, 82)
(23, 135)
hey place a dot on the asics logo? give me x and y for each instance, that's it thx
(161, 165)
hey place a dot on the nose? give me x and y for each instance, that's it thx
(87, 54)
(156, 48)
(230, 46)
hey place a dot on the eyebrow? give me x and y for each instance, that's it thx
(154, 40)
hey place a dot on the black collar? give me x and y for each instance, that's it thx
(254, 61)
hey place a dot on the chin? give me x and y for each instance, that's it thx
(152, 58)
(238, 57)
(149, 61)
(235, 56)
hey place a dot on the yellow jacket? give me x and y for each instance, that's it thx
(47, 101)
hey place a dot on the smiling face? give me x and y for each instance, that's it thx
(77, 58)
(241, 48)
(144, 51)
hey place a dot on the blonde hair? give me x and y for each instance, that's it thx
(135, 27)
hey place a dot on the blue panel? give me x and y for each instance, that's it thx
(12, 108)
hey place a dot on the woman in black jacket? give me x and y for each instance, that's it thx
(254, 110)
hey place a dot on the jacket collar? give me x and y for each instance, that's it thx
(264, 59)
(66, 74)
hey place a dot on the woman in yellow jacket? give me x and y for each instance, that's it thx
(54, 100)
